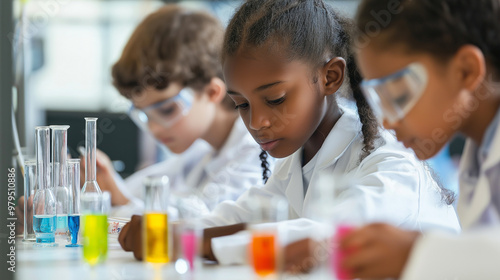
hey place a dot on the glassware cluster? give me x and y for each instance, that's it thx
(52, 188)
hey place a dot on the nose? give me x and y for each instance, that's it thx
(258, 119)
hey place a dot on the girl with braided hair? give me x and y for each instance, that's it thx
(285, 63)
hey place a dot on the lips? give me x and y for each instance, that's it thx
(268, 145)
(167, 140)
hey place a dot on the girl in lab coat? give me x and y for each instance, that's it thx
(170, 70)
(285, 63)
(431, 71)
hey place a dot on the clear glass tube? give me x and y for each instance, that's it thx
(90, 185)
(29, 193)
(95, 210)
(155, 220)
(74, 201)
(60, 176)
(44, 203)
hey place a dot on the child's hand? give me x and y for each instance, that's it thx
(299, 258)
(378, 251)
(130, 237)
(105, 178)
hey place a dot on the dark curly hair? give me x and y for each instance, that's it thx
(173, 44)
(307, 30)
(436, 27)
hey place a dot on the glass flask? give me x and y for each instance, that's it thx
(44, 203)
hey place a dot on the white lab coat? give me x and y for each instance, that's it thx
(212, 175)
(474, 255)
(392, 186)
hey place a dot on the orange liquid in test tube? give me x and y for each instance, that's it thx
(156, 238)
(263, 253)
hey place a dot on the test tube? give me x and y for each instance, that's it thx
(60, 176)
(336, 219)
(29, 193)
(44, 203)
(90, 185)
(264, 245)
(74, 199)
(95, 210)
(155, 222)
(186, 235)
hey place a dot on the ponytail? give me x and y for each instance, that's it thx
(265, 166)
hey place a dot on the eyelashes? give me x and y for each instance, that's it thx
(274, 102)
(241, 106)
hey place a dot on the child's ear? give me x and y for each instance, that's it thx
(471, 67)
(216, 90)
(333, 74)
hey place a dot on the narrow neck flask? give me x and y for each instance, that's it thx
(44, 203)
(60, 175)
(90, 185)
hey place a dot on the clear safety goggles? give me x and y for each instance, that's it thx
(166, 112)
(393, 96)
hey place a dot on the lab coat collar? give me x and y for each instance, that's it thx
(336, 143)
(471, 208)
(339, 139)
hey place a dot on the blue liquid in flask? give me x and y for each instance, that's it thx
(74, 227)
(62, 223)
(44, 227)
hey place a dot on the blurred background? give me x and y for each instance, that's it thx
(63, 53)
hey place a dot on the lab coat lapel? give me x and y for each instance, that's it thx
(336, 143)
(470, 212)
(338, 140)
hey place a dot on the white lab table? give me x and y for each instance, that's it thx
(61, 263)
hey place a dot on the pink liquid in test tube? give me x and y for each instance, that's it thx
(188, 241)
(339, 255)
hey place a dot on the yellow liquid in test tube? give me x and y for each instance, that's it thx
(95, 238)
(156, 237)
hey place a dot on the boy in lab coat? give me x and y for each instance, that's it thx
(170, 70)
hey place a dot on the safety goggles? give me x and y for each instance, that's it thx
(393, 96)
(166, 113)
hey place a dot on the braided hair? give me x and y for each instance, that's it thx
(265, 166)
(306, 30)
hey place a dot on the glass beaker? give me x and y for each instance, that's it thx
(186, 240)
(74, 201)
(60, 176)
(264, 244)
(29, 194)
(336, 215)
(90, 185)
(44, 203)
(155, 221)
(95, 208)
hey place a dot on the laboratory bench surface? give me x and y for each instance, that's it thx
(60, 262)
